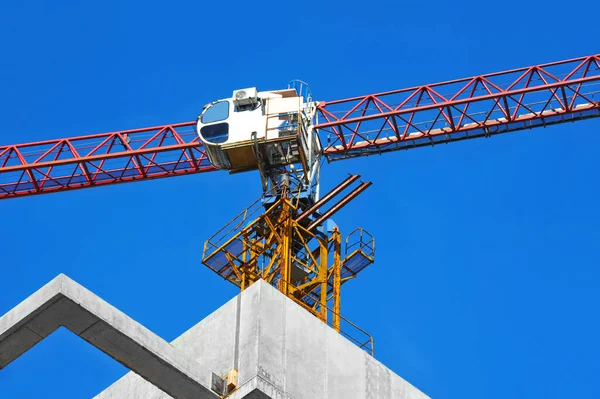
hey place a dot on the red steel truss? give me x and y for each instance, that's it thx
(480, 106)
(101, 159)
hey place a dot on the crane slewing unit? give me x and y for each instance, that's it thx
(270, 131)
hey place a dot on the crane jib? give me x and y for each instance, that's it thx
(480, 106)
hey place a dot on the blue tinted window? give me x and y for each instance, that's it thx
(216, 112)
(217, 133)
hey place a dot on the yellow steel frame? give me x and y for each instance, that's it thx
(305, 265)
(276, 248)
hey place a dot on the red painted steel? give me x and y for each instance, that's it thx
(480, 106)
(101, 159)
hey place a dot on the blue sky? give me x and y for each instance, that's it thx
(485, 281)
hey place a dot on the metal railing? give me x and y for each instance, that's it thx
(367, 343)
(239, 222)
(362, 241)
(302, 89)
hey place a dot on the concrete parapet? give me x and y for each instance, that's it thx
(279, 349)
(63, 302)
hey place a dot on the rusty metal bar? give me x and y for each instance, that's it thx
(339, 205)
(328, 197)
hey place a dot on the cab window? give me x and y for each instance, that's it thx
(216, 134)
(216, 112)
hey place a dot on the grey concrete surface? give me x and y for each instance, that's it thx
(281, 351)
(63, 302)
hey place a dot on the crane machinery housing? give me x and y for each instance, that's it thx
(287, 238)
(270, 131)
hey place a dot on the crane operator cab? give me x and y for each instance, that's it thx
(259, 130)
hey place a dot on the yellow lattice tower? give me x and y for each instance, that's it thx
(289, 247)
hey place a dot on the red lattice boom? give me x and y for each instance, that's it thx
(101, 159)
(461, 109)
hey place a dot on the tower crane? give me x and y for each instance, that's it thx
(287, 237)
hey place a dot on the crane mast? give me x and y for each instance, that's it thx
(287, 237)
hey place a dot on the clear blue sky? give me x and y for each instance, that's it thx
(485, 282)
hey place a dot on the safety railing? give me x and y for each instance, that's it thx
(367, 343)
(348, 329)
(242, 220)
(302, 89)
(360, 240)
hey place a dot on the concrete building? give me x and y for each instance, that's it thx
(275, 348)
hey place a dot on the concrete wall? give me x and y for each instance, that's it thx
(281, 351)
(63, 302)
